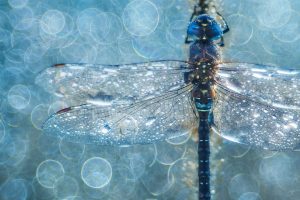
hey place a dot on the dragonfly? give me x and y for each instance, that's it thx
(142, 103)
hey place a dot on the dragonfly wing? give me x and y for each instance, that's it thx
(258, 105)
(85, 83)
(165, 116)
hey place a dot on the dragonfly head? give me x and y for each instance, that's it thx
(205, 27)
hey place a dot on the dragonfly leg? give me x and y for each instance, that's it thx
(221, 43)
(225, 27)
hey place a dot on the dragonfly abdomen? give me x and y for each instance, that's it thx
(203, 156)
(202, 95)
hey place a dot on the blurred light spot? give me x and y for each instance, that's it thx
(96, 172)
(167, 154)
(181, 138)
(15, 55)
(69, 150)
(151, 176)
(184, 171)
(140, 17)
(19, 97)
(79, 52)
(176, 33)
(65, 186)
(290, 32)
(250, 196)
(40, 191)
(106, 28)
(164, 4)
(5, 38)
(48, 145)
(48, 172)
(13, 150)
(146, 47)
(240, 184)
(273, 14)
(279, 171)
(21, 18)
(242, 30)
(4, 20)
(38, 115)
(2, 130)
(73, 198)
(34, 53)
(14, 189)
(17, 3)
(52, 22)
(85, 21)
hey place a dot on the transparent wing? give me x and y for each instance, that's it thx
(165, 116)
(258, 105)
(91, 83)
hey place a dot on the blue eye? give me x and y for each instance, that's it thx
(193, 29)
(204, 27)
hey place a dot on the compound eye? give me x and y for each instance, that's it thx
(193, 29)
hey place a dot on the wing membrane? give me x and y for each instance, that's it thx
(165, 116)
(271, 85)
(89, 83)
(258, 105)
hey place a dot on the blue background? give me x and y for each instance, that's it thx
(37, 34)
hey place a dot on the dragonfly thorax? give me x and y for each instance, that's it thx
(204, 52)
(202, 74)
(204, 56)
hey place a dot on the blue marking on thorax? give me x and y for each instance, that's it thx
(204, 107)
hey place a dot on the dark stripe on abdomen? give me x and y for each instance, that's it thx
(203, 157)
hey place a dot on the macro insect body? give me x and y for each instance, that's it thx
(131, 104)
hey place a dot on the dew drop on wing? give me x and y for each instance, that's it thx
(263, 111)
(77, 83)
(106, 129)
(124, 115)
(150, 121)
(100, 99)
